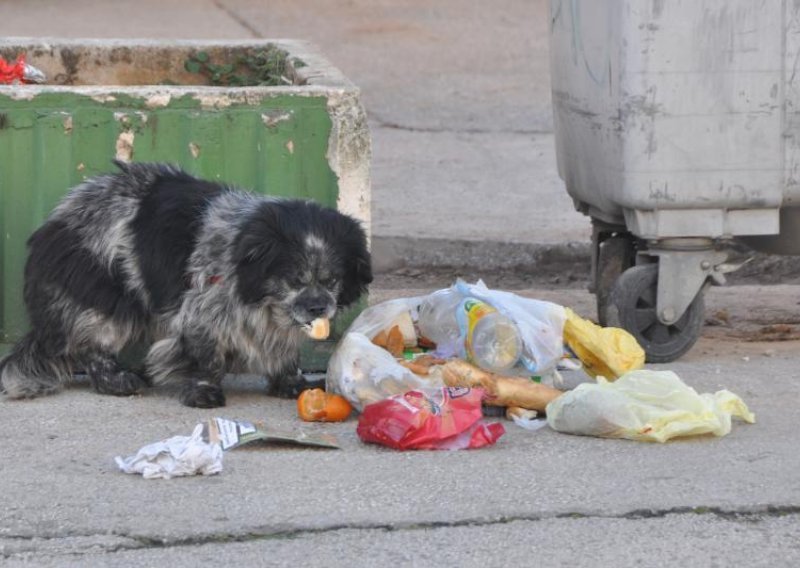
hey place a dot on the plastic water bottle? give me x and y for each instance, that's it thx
(469, 327)
(492, 340)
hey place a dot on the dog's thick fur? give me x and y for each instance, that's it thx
(215, 279)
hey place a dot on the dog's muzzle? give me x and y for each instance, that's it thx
(309, 306)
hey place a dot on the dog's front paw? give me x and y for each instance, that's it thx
(121, 383)
(291, 385)
(16, 388)
(285, 389)
(203, 395)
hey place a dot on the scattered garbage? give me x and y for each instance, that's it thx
(365, 367)
(19, 72)
(423, 371)
(511, 349)
(429, 419)
(316, 405)
(470, 336)
(201, 453)
(651, 406)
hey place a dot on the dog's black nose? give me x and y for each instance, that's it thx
(317, 309)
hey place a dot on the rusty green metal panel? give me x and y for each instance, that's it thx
(50, 143)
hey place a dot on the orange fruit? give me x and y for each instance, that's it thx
(337, 408)
(316, 405)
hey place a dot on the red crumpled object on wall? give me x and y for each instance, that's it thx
(11, 73)
(430, 419)
(19, 72)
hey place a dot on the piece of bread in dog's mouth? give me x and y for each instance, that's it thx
(320, 328)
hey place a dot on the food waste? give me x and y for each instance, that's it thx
(522, 396)
(318, 329)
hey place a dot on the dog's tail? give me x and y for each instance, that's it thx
(28, 371)
(166, 360)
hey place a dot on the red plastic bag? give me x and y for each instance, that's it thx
(434, 419)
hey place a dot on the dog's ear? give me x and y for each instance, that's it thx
(256, 253)
(358, 269)
(256, 249)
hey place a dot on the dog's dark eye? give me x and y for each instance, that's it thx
(330, 281)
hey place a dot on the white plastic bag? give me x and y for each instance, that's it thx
(363, 372)
(650, 406)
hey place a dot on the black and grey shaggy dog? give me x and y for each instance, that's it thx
(215, 279)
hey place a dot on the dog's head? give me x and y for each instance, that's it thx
(304, 260)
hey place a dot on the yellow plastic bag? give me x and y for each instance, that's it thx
(604, 351)
(650, 406)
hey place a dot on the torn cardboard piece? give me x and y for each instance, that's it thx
(231, 434)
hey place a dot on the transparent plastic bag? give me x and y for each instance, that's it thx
(364, 373)
(649, 406)
(377, 318)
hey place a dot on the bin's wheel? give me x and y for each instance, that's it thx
(615, 255)
(633, 307)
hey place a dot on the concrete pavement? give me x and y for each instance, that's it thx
(561, 499)
(579, 542)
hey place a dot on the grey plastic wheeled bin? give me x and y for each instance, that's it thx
(677, 131)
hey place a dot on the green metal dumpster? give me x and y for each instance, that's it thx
(144, 100)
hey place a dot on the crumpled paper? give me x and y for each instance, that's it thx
(175, 457)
